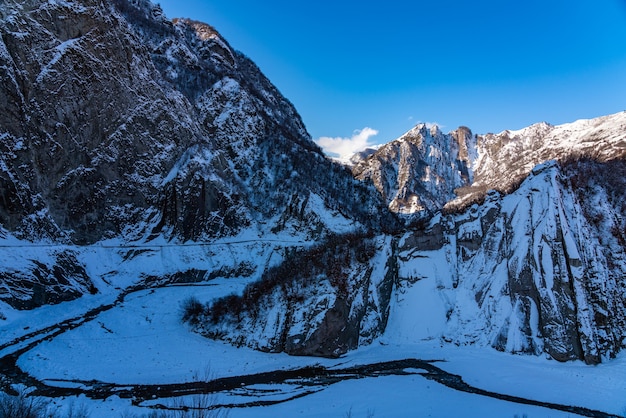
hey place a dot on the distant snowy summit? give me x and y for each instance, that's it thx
(425, 170)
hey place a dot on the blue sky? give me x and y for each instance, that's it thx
(387, 65)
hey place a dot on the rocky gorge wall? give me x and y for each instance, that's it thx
(527, 272)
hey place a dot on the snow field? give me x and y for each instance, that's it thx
(143, 341)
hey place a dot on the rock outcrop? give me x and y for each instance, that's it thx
(527, 272)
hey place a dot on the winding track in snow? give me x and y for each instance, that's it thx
(312, 378)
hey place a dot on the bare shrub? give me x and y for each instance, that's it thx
(23, 406)
(197, 406)
(77, 411)
(192, 310)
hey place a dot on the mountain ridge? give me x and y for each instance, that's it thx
(471, 159)
(128, 127)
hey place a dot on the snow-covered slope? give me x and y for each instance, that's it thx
(118, 124)
(323, 301)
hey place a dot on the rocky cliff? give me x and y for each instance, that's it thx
(529, 272)
(540, 270)
(115, 115)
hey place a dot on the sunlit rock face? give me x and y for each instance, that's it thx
(418, 173)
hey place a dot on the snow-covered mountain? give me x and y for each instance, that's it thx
(118, 124)
(425, 170)
(528, 272)
(138, 151)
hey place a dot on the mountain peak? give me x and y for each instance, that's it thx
(452, 170)
(536, 130)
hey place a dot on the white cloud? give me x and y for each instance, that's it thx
(344, 148)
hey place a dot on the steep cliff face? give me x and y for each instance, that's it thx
(35, 276)
(116, 123)
(418, 173)
(525, 273)
(505, 159)
(540, 270)
(535, 268)
(86, 104)
(114, 115)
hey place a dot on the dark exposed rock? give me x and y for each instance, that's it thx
(426, 239)
(324, 301)
(332, 337)
(114, 113)
(60, 279)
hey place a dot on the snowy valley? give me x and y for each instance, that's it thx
(171, 236)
